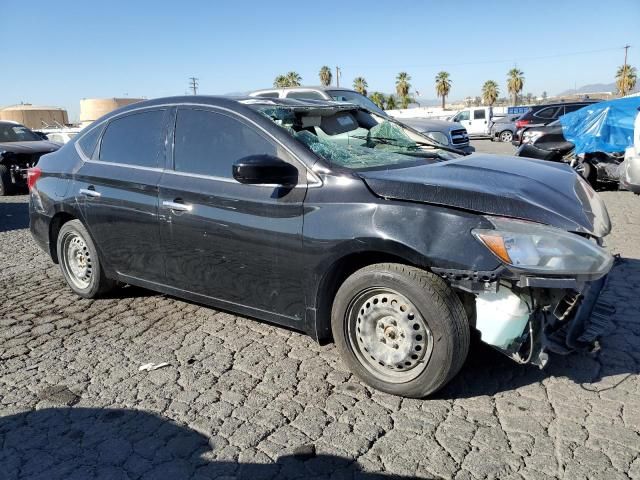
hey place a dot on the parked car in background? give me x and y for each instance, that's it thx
(20, 149)
(60, 135)
(540, 115)
(320, 93)
(630, 170)
(592, 139)
(264, 207)
(449, 134)
(445, 133)
(503, 128)
(475, 120)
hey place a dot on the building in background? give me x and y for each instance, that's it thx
(93, 108)
(35, 117)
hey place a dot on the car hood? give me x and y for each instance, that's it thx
(544, 192)
(38, 146)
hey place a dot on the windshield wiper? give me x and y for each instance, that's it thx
(431, 143)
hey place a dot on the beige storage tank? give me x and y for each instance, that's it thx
(93, 108)
(35, 117)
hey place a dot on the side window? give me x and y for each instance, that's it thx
(209, 143)
(306, 95)
(89, 140)
(478, 114)
(136, 139)
(546, 113)
(464, 115)
(268, 95)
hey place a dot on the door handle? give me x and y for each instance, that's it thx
(176, 206)
(88, 192)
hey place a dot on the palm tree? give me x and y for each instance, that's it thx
(378, 99)
(515, 83)
(294, 79)
(490, 92)
(626, 77)
(402, 87)
(405, 101)
(325, 76)
(443, 85)
(391, 103)
(360, 85)
(281, 81)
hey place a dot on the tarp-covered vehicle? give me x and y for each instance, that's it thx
(592, 140)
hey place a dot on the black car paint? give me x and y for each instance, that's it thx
(277, 253)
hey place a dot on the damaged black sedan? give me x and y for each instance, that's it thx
(20, 149)
(334, 221)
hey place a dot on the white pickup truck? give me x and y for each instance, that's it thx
(475, 120)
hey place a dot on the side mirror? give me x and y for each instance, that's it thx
(265, 170)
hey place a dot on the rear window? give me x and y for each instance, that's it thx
(305, 95)
(135, 139)
(547, 113)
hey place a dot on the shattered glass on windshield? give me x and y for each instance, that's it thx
(384, 145)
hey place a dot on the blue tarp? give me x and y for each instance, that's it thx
(602, 127)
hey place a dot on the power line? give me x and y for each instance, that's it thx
(193, 85)
(486, 62)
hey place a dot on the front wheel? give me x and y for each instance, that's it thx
(79, 261)
(585, 170)
(5, 181)
(400, 329)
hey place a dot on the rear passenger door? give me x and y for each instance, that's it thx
(236, 243)
(478, 122)
(118, 187)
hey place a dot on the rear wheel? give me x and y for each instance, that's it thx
(5, 181)
(400, 329)
(506, 136)
(79, 261)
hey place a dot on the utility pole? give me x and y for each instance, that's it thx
(624, 71)
(193, 85)
(337, 76)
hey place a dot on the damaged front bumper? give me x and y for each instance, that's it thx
(561, 321)
(527, 319)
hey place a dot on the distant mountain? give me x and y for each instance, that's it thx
(593, 88)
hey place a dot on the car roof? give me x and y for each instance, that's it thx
(323, 88)
(9, 122)
(233, 102)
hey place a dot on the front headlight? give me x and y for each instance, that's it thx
(439, 137)
(541, 249)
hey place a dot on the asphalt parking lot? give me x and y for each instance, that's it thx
(243, 399)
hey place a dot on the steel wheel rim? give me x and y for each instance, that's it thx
(506, 136)
(76, 260)
(388, 335)
(582, 169)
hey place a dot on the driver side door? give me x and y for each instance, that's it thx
(236, 243)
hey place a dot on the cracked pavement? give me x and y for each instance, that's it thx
(244, 399)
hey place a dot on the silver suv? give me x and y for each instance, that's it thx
(449, 134)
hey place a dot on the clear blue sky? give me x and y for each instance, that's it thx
(59, 52)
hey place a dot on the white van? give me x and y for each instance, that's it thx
(475, 120)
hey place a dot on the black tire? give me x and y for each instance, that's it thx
(6, 187)
(587, 171)
(95, 283)
(436, 303)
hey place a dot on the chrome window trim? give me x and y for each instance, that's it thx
(316, 183)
